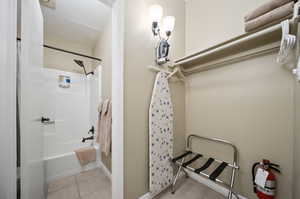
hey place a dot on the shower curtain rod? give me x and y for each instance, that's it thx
(67, 51)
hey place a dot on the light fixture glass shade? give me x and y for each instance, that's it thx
(169, 23)
(156, 12)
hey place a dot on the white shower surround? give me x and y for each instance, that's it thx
(74, 111)
(67, 165)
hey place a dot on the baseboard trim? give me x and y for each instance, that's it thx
(105, 169)
(217, 188)
(146, 196)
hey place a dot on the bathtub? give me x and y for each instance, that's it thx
(67, 164)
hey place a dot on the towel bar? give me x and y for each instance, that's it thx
(182, 164)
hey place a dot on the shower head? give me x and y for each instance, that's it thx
(48, 3)
(79, 62)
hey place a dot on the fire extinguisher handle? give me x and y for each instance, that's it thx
(274, 165)
(276, 169)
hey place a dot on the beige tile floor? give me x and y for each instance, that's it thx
(190, 189)
(94, 184)
(91, 184)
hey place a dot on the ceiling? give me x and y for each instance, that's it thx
(80, 21)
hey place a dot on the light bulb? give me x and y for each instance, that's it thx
(169, 24)
(156, 12)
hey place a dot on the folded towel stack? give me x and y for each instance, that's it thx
(274, 11)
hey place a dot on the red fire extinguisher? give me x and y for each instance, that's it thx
(268, 191)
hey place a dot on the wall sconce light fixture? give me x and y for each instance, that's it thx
(162, 48)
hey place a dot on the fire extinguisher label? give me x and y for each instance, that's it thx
(261, 177)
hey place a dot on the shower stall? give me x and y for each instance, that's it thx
(69, 110)
(72, 112)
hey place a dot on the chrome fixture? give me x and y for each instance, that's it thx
(87, 138)
(162, 48)
(48, 3)
(81, 64)
(45, 120)
(92, 131)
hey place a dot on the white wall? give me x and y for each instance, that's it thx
(8, 33)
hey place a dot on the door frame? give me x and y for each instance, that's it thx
(8, 75)
(8, 51)
(118, 99)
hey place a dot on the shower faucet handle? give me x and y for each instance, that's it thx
(92, 130)
(87, 138)
(45, 119)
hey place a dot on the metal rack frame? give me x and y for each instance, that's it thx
(180, 161)
(269, 37)
(68, 51)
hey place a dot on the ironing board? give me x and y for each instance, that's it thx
(160, 135)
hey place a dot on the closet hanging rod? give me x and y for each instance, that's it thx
(231, 60)
(226, 45)
(70, 52)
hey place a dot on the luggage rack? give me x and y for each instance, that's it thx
(183, 164)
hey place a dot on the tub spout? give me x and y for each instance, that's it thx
(87, 138)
